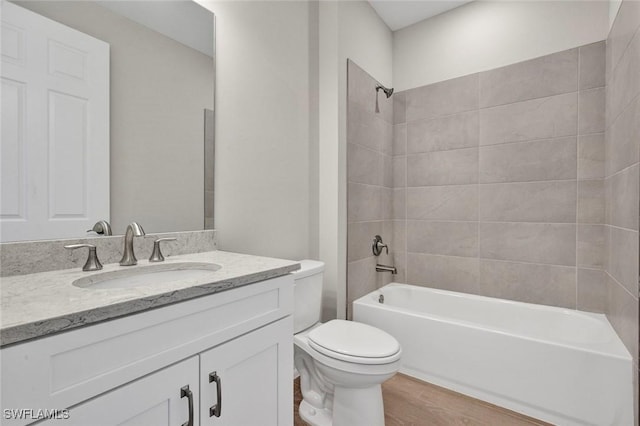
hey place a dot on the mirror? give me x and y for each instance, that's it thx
(160, 164)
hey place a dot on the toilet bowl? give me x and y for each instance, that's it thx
(342, 364)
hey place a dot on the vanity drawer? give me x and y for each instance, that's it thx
(66, 369)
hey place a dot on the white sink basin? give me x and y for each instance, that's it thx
(151, 275)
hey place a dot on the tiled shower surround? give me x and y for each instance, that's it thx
(497, 180)
(499, 187)
(503, 184)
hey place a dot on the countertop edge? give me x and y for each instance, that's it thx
(40, 329)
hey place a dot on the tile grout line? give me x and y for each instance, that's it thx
(479, 108)
(623, 110)
(485, 108)
(406, 183)
(480, 146)
(498, 183)
(368, 148)
(621, 228)
(491, 259)
(624, 50)
(626, 169)
(533, 99)
(590, 268)
(509, 222)
(621, 285)
(494, 183)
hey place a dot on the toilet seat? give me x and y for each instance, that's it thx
(354, 342)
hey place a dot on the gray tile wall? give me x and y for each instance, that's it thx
(622, 180)
(499, 182)
(371, 175)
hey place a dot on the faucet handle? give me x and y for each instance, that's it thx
(101, 227)
(92, 263)
(378, 245)
(157, 256)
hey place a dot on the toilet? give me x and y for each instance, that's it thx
(342, 364)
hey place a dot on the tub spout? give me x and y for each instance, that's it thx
(385, 268)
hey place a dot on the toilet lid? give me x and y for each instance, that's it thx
(353, 340)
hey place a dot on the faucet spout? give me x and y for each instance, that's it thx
(128, 255)
(386, 268)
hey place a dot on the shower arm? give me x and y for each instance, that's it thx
(388, 92)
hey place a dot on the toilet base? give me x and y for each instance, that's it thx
(351, 407)
(314, 416)
(358, 406)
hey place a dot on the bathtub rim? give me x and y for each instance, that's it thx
(370, 299)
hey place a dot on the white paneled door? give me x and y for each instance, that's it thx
(54, 146)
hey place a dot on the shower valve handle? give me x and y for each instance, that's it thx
(378, 245)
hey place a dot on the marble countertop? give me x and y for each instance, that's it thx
(41, 304)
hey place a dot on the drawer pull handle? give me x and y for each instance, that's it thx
(186, 392)
(216, 410)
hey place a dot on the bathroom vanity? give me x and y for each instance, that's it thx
(202, 351)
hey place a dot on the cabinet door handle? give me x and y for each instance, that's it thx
(185, 392)
(216, 410)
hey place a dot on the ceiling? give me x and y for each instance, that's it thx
(398, 14)
(186, 22)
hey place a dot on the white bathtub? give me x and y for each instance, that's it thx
(558, 365)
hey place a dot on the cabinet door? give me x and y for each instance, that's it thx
(153, 400)
(255, 376)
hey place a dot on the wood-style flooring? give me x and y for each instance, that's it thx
(412, 402)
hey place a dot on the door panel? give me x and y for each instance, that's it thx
(55, 128)
(153, 400)
(255, 378)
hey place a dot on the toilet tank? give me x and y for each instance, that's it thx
(307, 294)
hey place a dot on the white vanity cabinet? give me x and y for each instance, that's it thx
(131, 371)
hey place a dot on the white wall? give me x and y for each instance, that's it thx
(483, 35)
(262, 127)
(347, 30)
(330, 249)
(365, 39)
(281, 126)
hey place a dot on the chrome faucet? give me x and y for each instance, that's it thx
(378, 245)
(386, 268)
(101, 227)
(128, 256)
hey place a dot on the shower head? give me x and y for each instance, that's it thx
(386, 91)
